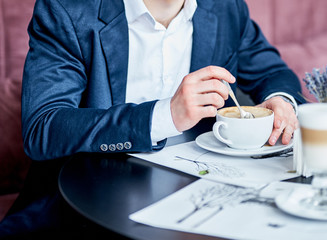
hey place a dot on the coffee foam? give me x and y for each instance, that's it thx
(233, 112)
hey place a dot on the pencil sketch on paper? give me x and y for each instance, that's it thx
(219, 197)
(217, 168)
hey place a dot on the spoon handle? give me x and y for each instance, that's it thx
(231, 93)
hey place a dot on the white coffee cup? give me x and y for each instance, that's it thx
(313, 124)
(242, 133)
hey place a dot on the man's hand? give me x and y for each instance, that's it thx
(199, 96)
(285, 121)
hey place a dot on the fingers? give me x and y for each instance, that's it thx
(199, 96)
(276, 133)
(287, 134)
(213, 86)
(208, 80)
(285, 131)
(285, 122)
(212, 72)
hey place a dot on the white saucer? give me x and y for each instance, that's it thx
(209, 142)
(289, 202)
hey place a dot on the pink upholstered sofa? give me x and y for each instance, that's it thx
(14, 18)
(297, 27)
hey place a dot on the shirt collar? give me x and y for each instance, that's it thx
(136, 8)
(189, 9)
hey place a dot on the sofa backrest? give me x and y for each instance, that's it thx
(298, 28)
(285, 21)
(14, 18)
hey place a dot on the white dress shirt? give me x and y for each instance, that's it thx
(159, 58)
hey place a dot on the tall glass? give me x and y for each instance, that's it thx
(313, 124)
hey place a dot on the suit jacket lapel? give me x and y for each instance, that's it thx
(114, 41)
(204, 38)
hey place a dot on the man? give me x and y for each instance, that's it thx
(87, 59)
(125, 75)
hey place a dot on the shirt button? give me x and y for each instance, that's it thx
(120, 146)
(112, 147)
(104, 147)
(128, 145)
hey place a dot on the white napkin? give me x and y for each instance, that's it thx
(298, 163)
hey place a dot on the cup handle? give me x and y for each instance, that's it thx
(215, 130)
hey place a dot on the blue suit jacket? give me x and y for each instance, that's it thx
(74, 84)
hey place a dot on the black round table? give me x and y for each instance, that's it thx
(106, 189)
